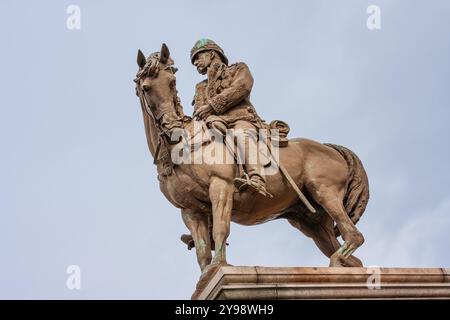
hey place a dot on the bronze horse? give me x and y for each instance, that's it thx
(331, 176)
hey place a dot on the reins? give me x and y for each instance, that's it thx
(162, 143)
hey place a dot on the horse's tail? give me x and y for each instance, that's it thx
(357, 194)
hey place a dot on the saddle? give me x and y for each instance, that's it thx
(276, 135)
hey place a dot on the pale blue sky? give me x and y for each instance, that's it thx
(77, 184)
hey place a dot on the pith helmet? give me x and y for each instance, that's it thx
(205, 45)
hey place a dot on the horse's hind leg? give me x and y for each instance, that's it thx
(197, 224)
(322, 234)
(332, 201)
(326, 241)
(221, 196)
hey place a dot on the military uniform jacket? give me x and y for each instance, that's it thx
(227, 90)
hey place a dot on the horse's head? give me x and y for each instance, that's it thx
(156, 86)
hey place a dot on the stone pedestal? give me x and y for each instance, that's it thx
(325, 283)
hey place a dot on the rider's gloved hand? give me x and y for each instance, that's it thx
(203, 112)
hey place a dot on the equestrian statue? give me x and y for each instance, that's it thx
(320, 189)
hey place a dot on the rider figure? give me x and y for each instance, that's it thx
(225, 94)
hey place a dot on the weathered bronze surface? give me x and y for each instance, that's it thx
(210, 196)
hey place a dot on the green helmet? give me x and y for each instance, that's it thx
(205, 45)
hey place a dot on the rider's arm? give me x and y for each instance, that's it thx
(239, 89)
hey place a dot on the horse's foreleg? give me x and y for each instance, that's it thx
(221, 196)
(197, 223)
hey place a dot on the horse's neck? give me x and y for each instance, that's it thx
(153, 134)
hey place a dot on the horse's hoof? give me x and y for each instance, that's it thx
(336, 265)
(353, 261)
(336, 262)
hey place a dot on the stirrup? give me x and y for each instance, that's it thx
(242, 184)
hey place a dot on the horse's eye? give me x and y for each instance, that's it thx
(146, 88)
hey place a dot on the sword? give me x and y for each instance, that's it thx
(292, 182)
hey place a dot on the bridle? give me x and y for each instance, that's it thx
(151, 69)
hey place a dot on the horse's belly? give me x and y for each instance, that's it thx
(252, 209)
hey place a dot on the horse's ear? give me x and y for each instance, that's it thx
(141, 59)
(164, 53)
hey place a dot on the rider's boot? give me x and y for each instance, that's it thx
(256, 182)
(253, 177)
